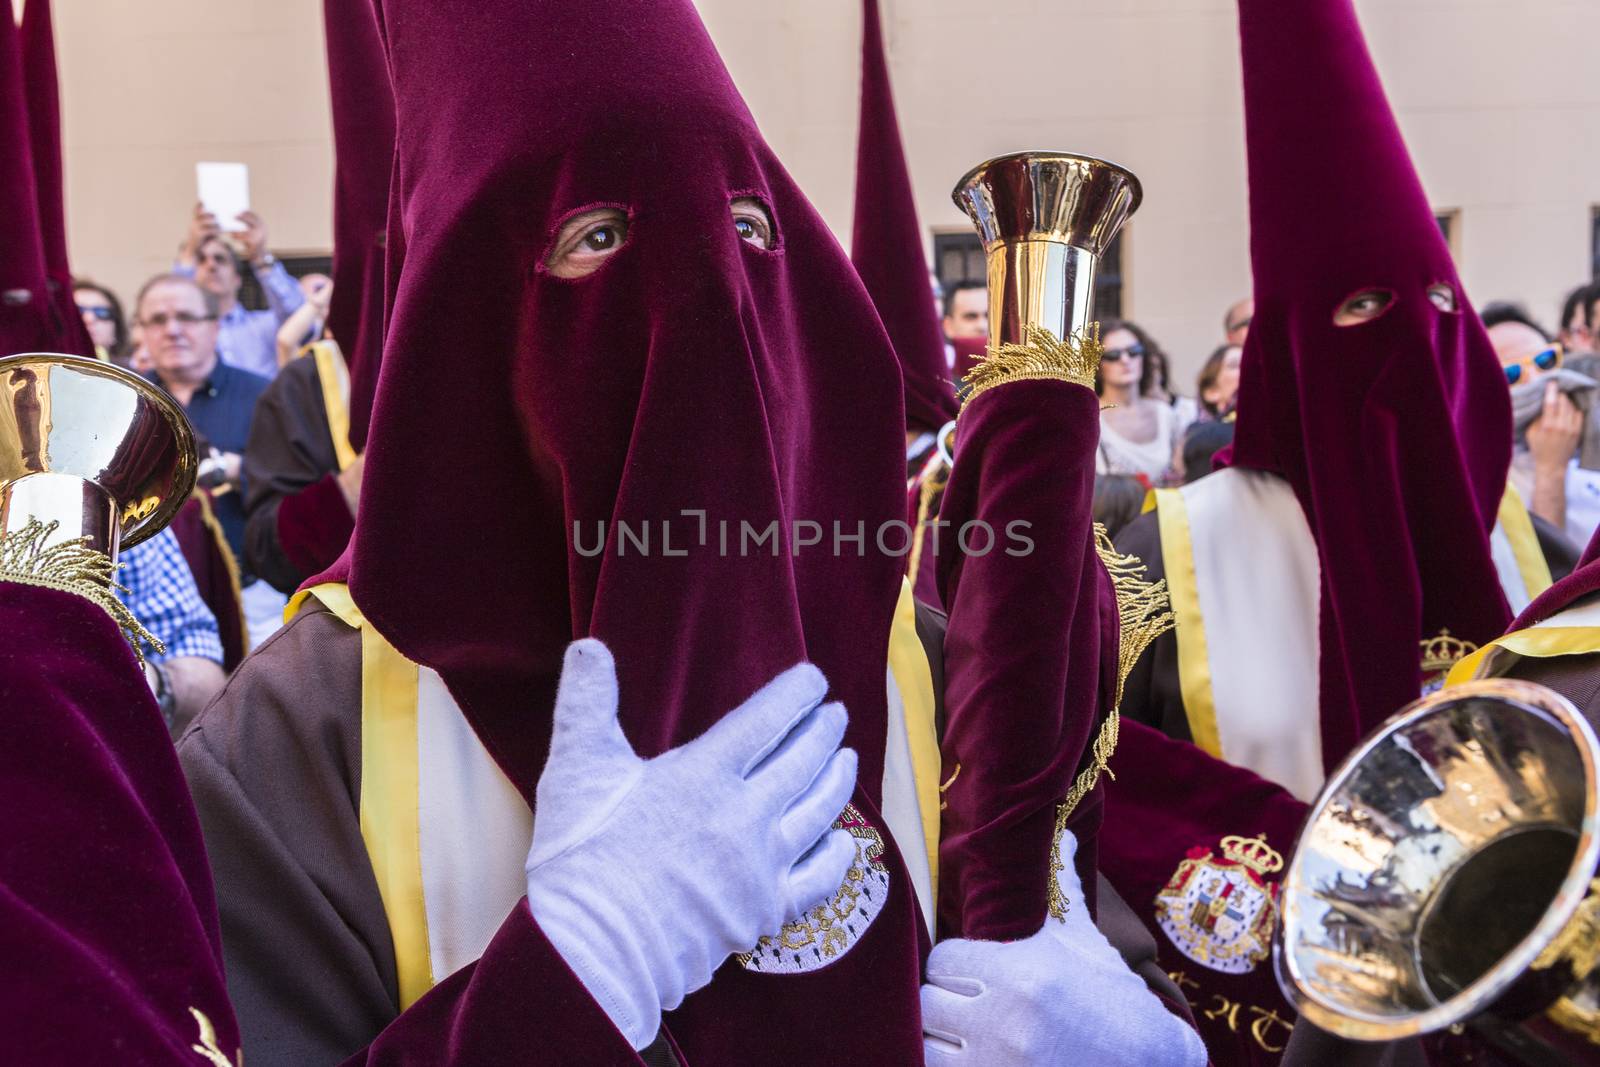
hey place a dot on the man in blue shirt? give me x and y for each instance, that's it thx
(245, 339)
(159, 589)
(179, 320)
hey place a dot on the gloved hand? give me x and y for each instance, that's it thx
(646, 874)
(1061, 998)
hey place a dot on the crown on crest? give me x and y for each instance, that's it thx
(1253, 852)
(1443, 652)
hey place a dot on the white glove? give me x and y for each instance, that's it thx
(1061, 998)
(647, 875)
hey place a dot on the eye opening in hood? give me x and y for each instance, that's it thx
(1444, 297)
(585, 240)
(753, 221)
(1364, 306)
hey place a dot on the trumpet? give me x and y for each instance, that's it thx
(1045, 219)
(1449, 876)
(89, 452)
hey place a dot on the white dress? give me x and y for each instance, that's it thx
(1118, 455)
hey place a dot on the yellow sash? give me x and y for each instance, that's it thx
(389, 805)
(335, 379)
(1194, 664)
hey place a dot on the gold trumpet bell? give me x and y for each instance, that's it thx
(91, 447)
(1045, 219)
(1441, 874)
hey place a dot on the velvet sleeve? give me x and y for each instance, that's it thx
(297, 521)
(275, 767)
(1030, 654)
(108, 927)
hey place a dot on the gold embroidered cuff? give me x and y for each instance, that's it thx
(1043, 357)
(71, 567)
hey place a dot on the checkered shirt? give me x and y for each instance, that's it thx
(162, 595)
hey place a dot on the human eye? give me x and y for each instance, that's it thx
(1363, 307)
(586, 241)
(752, 223)
(1443, 297)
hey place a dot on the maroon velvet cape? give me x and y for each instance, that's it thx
(363, 152)
(1584, 580)
(1170, 798)
(25, 309)
(216, 573)
(108, 924)
(886, 243)
(1030, 654)
(692, 372)
(1395, 433)
(38, 47)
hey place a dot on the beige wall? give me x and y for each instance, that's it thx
(1499, 99)
(150, 87)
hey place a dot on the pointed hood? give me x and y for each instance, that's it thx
(25, 311)
(886, 243)
(38, 48)
(363, 150)
(1394, 429)
(555, 456)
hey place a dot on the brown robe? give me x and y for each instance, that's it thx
(289, 468)
(275, 767)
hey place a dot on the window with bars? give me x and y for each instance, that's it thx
(958, 257)
(298, 266)
(1449, 220)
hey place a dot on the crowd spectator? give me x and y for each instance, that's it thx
(245, 339)
(179, 320)
(1218, 383)
(1118, 500)
(306, 324)
(1577, 325)
(1139, 429)
(158, 588)
(102, 317)
(1236, 323)
(966, 310)
(1201, 445)
(1551, 417)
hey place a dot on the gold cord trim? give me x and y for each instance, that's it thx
(208, 1049)
(1144, 613)
(71, 567)
(932, 486)
(1042, 357)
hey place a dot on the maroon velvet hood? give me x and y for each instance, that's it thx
(521, 417)
(38, 48)
(886, 242)
(363, 149)
(1394, 433)
(25, 310)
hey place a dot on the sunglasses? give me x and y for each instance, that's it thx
(1117, 355)
(104, 314)
(1545, 360)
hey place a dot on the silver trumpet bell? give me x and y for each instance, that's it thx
(1444, 878)
(91, 447)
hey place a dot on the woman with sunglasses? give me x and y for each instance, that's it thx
(102, 317)
(1137, 428)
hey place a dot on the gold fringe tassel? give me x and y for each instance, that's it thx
(71, 567)
(1144, 613)
(933, 484)
(1042, 357)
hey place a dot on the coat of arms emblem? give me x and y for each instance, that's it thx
(1220, 911)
